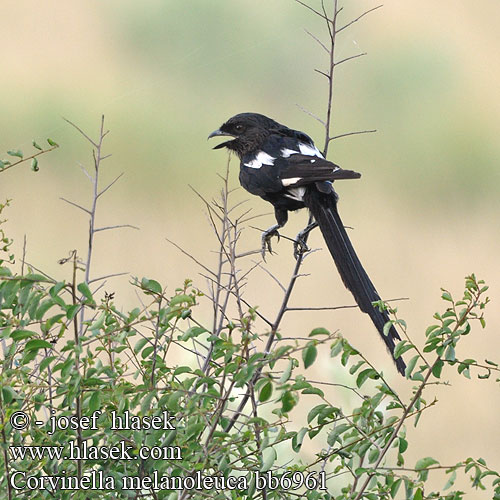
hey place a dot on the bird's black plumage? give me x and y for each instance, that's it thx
(284, 167)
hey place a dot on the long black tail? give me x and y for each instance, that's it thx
(323, 207)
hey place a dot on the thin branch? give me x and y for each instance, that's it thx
(86, 172)
(352, 133)
(118, 226)
(332, 308)
(111, 183)
(86, 210)
(22, 160)
(23, 260)
(107, 276)
(358, 18)
(361, 54)
(269, 273)
(316, 39)
(324, 74)
(191, 257)
(317, 118)
(317, 12)
(81, 132)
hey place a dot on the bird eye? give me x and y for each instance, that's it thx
(239, 127)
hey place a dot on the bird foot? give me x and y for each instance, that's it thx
(266, 239)
(299, 247)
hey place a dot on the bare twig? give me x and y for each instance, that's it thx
(341, 61)
(118, 226)
(86, 210)
(352, 133)
(358, 18)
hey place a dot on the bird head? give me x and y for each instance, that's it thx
(248, 131)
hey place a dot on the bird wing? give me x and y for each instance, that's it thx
(301, 170)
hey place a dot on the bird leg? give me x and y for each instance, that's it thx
(299, 245)
(266, 239)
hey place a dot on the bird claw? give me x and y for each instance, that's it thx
(266, 240)
(299, 247)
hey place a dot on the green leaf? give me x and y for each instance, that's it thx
(151, 286)
(192, 332)
(17, 335)
(336, 348)
(288, 401)
(314, 390)
(336, 432)
(193, 430)
(319, 331)
(286, 372)
(403, 445)
(72, 310)
(451, 480)
(182, 369)
(298, 438)
(401, 348)
(181, 299)
(34, 165)
(52, 143)
(315, 412)
(387, 327)
(36, 344)
(43, 308)
(266, 391)
(418, 495)
(84, 289)
(9, 394)
(364, 375)
(46, 362)
(99, 322)
(35, 145)
(373, 455)
(95, 401)
(395, 487)
(140, 344)
(15, 152)
(309, 355)
(425, 463)
(436, 369)
(411, 365)
(269, 456)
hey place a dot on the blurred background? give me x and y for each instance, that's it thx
(165, 74)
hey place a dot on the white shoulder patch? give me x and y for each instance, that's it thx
(309, 150)
(261, 159)
(286, 153)
(290, 181)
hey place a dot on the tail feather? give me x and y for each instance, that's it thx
(323, 207)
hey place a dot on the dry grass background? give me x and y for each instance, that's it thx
(166, 73)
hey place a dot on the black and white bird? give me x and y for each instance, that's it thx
(284, 167)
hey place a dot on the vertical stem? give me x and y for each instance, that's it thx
(77, 360)
(332, 30)
(5, 453)
(155, 349)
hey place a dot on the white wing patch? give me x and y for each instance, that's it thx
(286, 153)
(305, 149)
(309, 150)
(296, 193)
(290, 181)
(261, 159)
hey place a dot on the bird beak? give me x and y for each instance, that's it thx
(217, 133)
